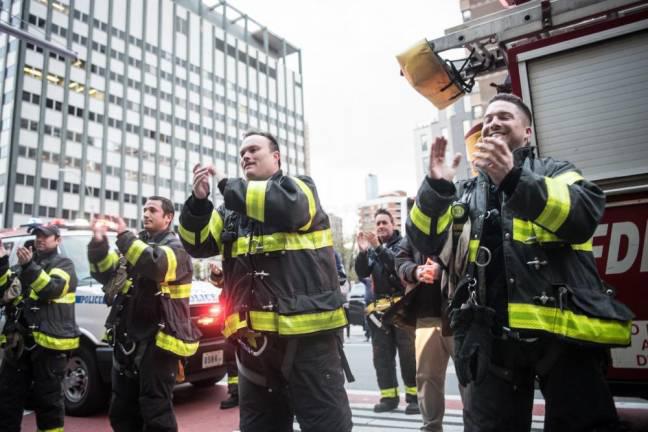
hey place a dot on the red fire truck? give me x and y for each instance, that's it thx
(582, 67)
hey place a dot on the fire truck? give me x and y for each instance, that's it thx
(582, 67)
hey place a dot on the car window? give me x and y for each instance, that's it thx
(75, 247)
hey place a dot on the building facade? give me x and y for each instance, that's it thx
(451, 123)
(159, 85)
(394, 202)
(337, 230)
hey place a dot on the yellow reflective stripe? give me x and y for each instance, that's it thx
(569, 324)
(283, 242)
(5, 277)
(68, 298)
(41, 281)
(584, 247)
(232, 380)
(569, 177)
(63, 275)
(311, 203)
(444, 220)
(176, 291)
(264, 321)
(175, 345)
(410, 390)
(19, 299)
(215, 228)
(527, 232)
(233, 324)
(108, 262)
(290, 325)
(135, 251)
(382, 304)
(186, 235)
(420, 220)
(55, 343)
(93, 268)
(126, 286)
(389, 393)
(3, 340)
(557, 206)
(172, 264)
(255, 199)
(473, 248)
(58, 429)
(33, 295)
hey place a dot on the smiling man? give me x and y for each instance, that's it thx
(149, 325)
(528, 303)
(281, 290)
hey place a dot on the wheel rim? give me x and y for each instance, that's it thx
(75, 384)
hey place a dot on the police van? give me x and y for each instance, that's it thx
(87, 378)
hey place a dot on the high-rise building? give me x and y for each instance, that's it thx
(451, 123)
(337, 230)
(371, 186)
(395, 202)
(159, 85)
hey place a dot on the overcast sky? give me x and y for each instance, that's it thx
(361, 113)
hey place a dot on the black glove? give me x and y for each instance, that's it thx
(473, 341)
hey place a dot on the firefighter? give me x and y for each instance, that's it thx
(376, 259)
(40, 330)
(148, 325)
(216, 278)
(284, 306)
(527, 300)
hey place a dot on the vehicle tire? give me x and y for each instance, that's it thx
(85, 393)
(207, 382)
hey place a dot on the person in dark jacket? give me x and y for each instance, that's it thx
(376, 260)
(39, 333)
(528, 302)
(149, 325)
(284, 308)
(433, 348)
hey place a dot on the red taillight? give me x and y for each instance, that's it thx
(213, 316)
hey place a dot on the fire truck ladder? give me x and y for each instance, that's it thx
(487, 38)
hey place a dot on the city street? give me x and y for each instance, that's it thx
(197, 409)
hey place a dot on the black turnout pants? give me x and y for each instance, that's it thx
(142, 394)
(386, 341)
(33, 381)
(571, 378)
(313, 391)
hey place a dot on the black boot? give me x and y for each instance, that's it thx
(386, 404)
(412, 405)
(231, 402)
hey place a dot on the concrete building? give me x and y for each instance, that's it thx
(451, 123)
(337, 229)
(159, 86)
(371, 186)
(395, 202)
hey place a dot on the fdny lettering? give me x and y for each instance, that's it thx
(625, 243)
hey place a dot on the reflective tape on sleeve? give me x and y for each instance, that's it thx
(109, 261)
(60, 273)
(420, 220)
(68, 298)
(444, 220)
(135, 251)
(41, 281)
(4, 278)
(176, 291)
(557, 206)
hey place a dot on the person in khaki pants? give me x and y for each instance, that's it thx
(433, 349)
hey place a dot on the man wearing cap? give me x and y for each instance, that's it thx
(39, 332)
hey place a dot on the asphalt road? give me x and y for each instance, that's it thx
(197, 410)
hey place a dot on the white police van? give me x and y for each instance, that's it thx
(87, 379)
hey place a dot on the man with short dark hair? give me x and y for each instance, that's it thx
(149, 325)
(376, 260)
(528, 303)
(39, 332)
(283, 303)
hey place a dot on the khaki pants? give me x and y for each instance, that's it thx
(432, 354)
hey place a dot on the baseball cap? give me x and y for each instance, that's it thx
(46, 230)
